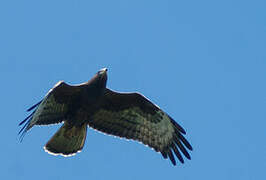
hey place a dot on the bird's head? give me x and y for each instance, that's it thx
(99, 78)
(102, 72)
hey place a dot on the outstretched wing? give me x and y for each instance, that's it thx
(53, 108)
(132, 116)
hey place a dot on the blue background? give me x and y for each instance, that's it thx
(203, 62)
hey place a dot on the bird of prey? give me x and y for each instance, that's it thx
(126, 115)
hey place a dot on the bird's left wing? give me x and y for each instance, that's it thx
(52, 108)
(132, 116)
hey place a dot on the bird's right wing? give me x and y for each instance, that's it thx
(132, 116)
(52, 109)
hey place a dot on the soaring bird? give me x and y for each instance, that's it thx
(126, 115)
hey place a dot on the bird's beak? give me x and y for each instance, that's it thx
(103, 71)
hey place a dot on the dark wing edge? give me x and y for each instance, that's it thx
(51, 109)
(133, 116)
(178, 143)
(27, 120)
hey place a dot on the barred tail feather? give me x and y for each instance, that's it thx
(67, 141)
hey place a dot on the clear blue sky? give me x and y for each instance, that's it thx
(203, 62)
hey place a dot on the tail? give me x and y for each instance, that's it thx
(67, 141)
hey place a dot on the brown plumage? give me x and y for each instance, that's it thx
(127, 115)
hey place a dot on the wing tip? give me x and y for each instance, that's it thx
(178, 147)
(171, 156)
(32, 107)
(27, 120)
(23, 130)
(178, 126)
(185, 142)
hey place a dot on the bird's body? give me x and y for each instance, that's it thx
(127, 115)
